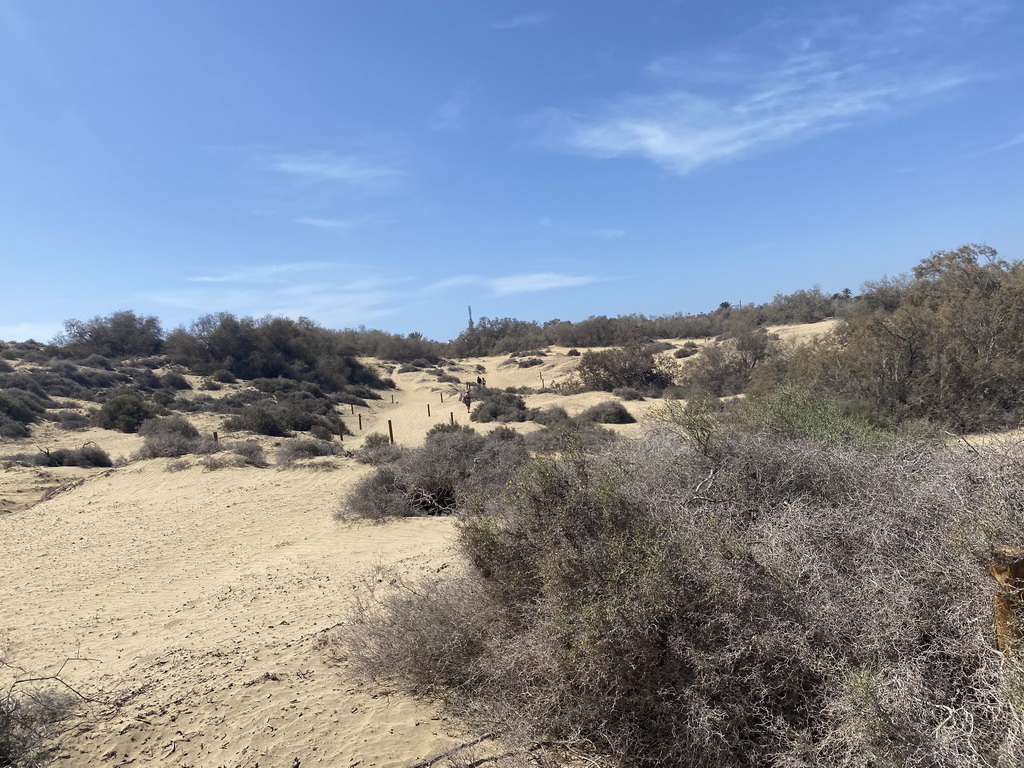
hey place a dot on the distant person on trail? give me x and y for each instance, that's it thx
(467, 398)
(479, 381)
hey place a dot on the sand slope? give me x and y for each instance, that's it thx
(199, 596)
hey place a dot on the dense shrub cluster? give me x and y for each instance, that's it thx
(948, 346)
(455, 466)
(632, 366)
(171, 437)
(89, 455)
(124, 412)
(304, 448)
(504, 407)
(117, 335)
(608, 412)
(773, 600)
(18, 409)
(270, 347)
(302, 412)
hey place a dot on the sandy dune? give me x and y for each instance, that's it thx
(198, 597)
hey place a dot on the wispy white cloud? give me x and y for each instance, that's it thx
(1016, 141)
(449, 115)
(353, 170)
(452, 282)
(743, 98)
(518, 22)
(262, 273)
(343, 224)
(538, 281)
(508, 284)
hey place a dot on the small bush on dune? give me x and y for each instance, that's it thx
(501, 406)
(630, 366)
(171, 437)
(608, 412)
(260, 419)
(124, 412)
(299, 448)
(377, 449)
(250, 451)
(628, 393)
(551, 415)
(72, 421)
(689, 349)
(570, 434)
(89, 455)
(455, 466)
(174, 380)
(97, 361)
(18, 409)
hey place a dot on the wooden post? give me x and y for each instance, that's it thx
(215, 437)
(542, 381)
(352, 406)
(428, 410)
(360, 422)
(391, 433)
(442, 397)
(341, 430)
(453, 417)
(1007, 568)
(392, 399)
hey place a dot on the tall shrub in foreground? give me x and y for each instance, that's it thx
(775, 600)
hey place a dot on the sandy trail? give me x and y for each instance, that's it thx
(199, 596)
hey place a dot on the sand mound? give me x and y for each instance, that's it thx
(199, 597)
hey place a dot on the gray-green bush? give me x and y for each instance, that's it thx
(777, 600)
(455, 467)
(608, 412)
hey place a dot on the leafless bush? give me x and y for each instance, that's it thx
(171, 437)
(377, 449)
(454, 465)
(214, 461)
(250, 451)
(608, 412)
(775, 601)
(34, 710)
(303, 448)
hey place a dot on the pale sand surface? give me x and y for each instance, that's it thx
(199, 597)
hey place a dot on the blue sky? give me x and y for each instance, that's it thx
(389, 163)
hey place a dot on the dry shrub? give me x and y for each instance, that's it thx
(454, 467)
(774, 601)
(250, 451)
(213, 462)
(89, 455)
(303, 448)
(502, 407)
(378, 449)
(628, 393)
(608, 412)
(171, 437)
